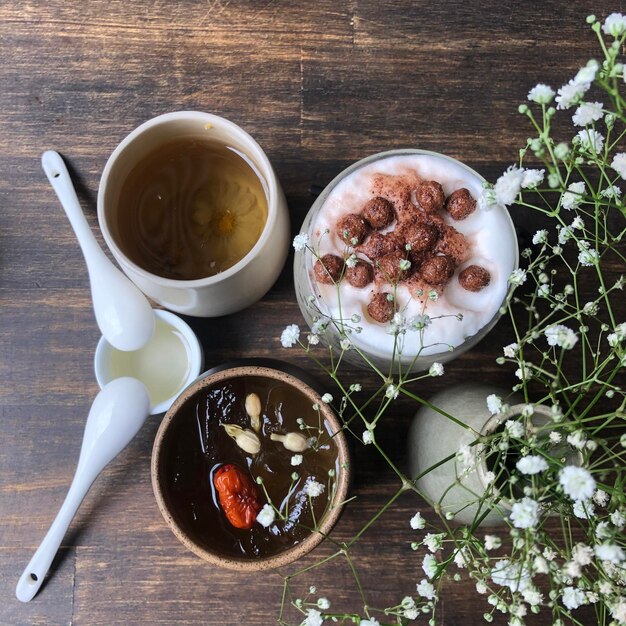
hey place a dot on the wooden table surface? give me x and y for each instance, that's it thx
(319, 85)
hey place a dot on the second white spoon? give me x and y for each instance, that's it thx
(123, 313)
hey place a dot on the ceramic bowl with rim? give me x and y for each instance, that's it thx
(183, 502)
(493, 245)
(172, 360)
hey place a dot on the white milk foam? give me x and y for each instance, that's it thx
(492, 243)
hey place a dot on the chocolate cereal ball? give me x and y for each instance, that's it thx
(460, 204)
(474, 278)
(328, 269)
(429, 196)
(390, 268)
(352, 228)
(380, 308)
(421, 236)
(378, 245)
(437, 270)
(379, 212)
(361, 275)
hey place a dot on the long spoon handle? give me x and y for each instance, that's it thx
(56, 171)
(32, 578)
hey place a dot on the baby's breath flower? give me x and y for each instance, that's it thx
(300, 242)
(426, 590)
(511, 350)
(587, 113)
(508, 186)
(323, 603)
(618, 519)
(571, 94)
(572, 598)
(419, 322)
(532, 178)
(290, 336)
(601, 498)
(561, 151)
(367, 437)
(541, 94)
(615, 25)
(345, 344)
(313, 339)
(313, 488)
(610, 552)
(583, 509)
(541, 236)
(577, 482)
(619, 164)
(555, 437)
(492, 542)
(434, 541)
(517, 277)
(514, 428)
(578, 223)
(591, 140)
(436, 369)
(313, 618)
(429, 565)
(327, 398)
(532, 464)
(296, 459)
(525, 513)
(586, 75)
(417, 522)
(391, 392)
(612, 193)
(512, 575)
(465, 457)
(561, 336)
(588, 257)
(573, 196)
(582, 554)
(266, 516)
(494, 404)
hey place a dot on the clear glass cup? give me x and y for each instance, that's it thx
(380, 348)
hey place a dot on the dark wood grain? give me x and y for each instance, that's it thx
(319, 85)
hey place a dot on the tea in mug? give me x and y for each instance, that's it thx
(192, 208)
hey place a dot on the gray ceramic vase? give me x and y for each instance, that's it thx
(433, 437)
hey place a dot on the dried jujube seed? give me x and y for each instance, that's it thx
(379, 212)
(352, 228)
(361, 275)
(437, 270)
(429, 196)
(474, 278)
(328, 269)
(460, 204)
(380, 308)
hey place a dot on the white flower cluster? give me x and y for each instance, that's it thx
(513, 180)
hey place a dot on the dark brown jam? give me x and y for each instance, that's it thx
(198, 446)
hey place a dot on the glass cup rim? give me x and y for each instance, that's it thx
(269, 177)
(321, 198)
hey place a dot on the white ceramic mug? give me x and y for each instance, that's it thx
(240, 285)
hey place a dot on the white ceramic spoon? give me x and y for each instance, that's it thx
(123, 313)
(115, 417)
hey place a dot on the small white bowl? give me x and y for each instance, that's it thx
(171, 361)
